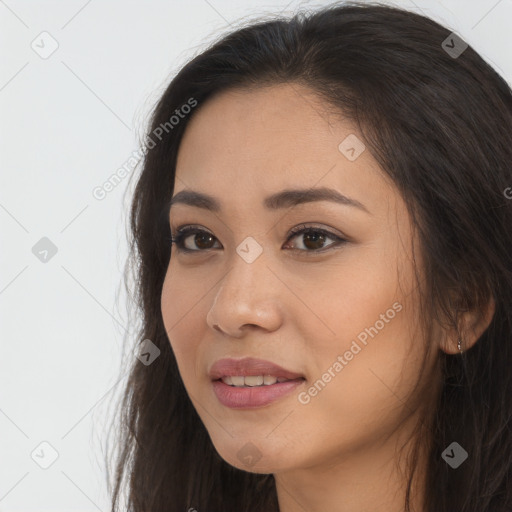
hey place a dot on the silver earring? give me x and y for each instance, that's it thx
(459, 343)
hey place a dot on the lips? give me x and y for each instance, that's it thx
(248, 367)
(251, 383)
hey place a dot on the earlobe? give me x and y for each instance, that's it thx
(472, 324)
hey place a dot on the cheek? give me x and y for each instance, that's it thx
(358, 401)
(357, 300)
(371, 323)
(180, 305)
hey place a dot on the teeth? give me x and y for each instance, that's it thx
(268, 380)
(237, 381)
(252, 380)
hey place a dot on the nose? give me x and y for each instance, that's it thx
(248, 297)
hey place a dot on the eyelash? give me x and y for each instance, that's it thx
(185, 231)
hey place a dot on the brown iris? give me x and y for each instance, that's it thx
(314, 238)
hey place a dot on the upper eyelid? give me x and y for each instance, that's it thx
(187, 227)
(294, 231)
(304, 227)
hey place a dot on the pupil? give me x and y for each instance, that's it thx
(203, 236)
(315, 238)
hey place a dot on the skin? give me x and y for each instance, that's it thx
(300, 311)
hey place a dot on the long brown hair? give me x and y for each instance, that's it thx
(440, 126)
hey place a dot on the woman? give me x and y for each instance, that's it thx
(321, 241)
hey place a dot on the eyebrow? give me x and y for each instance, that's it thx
(284, 199)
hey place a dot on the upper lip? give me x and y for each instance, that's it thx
(249, 366)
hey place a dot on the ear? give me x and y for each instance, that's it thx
(472, 324)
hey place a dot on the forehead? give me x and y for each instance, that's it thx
(249, 143)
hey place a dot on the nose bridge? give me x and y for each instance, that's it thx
(248, 275)
(245, 294)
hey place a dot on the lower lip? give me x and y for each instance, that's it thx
(251, 397)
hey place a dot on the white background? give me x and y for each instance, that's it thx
(68, 122)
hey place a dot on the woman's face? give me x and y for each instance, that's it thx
(336, 306)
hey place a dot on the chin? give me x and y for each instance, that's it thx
(256, 455)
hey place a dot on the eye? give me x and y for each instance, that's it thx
(313, 239)
(202, 239)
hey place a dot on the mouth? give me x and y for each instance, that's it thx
(250, 367)
(248, 383)
(253, 381)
